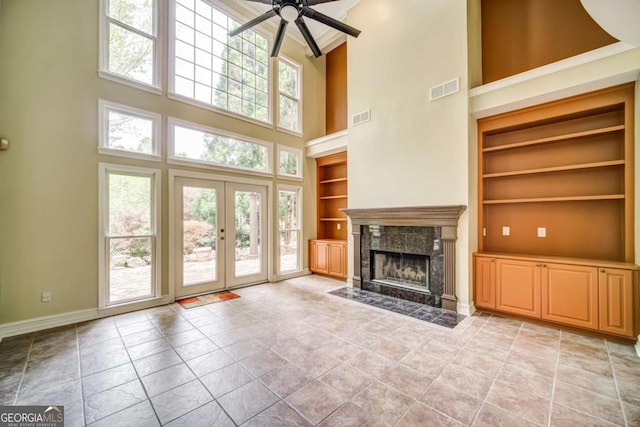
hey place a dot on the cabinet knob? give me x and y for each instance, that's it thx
(602, 270)
(544, 265)
(538, 265)
(493, 260)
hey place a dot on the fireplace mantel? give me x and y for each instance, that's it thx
(445, 217)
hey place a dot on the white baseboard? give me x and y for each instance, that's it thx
(466, 309)
(46, 322)
(280, 277)
(637, 346)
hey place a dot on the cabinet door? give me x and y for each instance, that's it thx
(485, 282)
(616, 301)
(518, 287)
(319, 257)
(570, 295)
(337, 260)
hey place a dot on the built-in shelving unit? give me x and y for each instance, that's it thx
(565, 166)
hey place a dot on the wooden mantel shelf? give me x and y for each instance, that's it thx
(428, 216)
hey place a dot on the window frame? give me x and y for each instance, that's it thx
(173, 159)
(104, 24)
(298, 67)
(171, 93)
(300, 252)
(104, 107)
(105, 169)
(298, 153)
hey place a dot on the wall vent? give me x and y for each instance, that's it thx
(444, 89)
(358, 119)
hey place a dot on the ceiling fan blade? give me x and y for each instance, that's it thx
(302, 26)
(315, 2)
(262, 1)
(254, 21)
(327, 20)
(279, 38)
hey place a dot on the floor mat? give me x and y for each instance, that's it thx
(206, 299)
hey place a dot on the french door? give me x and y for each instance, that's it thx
(220, 235)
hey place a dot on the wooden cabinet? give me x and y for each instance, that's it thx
(518, 287)
(615, 289)
(328, 257)
(570, 294)
(587, 294)
(328, 254)
(485, 279)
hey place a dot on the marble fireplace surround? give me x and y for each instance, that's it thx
(445, 217)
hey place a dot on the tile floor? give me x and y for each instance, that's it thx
(291, 354)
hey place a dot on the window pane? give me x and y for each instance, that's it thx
(218, 149)
(242, 58)
(289, 163)
(248, 233)
(288, 79)
(288, 113)
(135, 13)
(129, 133)
(288, 222)
(130, 54)
(129, 205)
(199, 235)
(130, 274)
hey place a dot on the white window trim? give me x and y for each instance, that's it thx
(103, 125)
(285, 187)
(103, 219)
(103, 56)
(298, 153)
(173, 159)
(298, 66)
(171, 94)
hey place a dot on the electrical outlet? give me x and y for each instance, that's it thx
(484, 231)
(542, 232)
(46, 296)
(506, 231)
(339, 226)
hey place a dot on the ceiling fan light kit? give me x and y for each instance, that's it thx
(296, 11)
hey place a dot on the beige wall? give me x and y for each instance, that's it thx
(49, 91)
(413, 152)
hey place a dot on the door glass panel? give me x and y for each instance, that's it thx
(130, 273)
(288, 222)
(199, 237)
(248, 233)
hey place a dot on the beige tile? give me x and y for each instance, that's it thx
(278, 415)
(316, 363)
(425, 363)
(595, 382)
(247, 401)
(180, 400)
(113, 400)
(141, 412)
(315, 401)
(406, 380)
(524, 360)
(629, 390)
(562, 416)
(169, 378)
(346, 379)
(441, 349)
(491, 416)
(285, 380)
(632, 414)
(372, 363)
(479, 346)
(421, 415)
(209, 362)
(520, 403)
(588, 402)
(479, 363)
(451, 402)
(525, 381)
(466, 380)
(351, 415)
(585, 363)
(383, 402)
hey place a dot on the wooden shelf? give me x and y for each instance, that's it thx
(340, 196)
(329, 181)
(332, 219)
(555, 199)
(556, 169)
(557, 138)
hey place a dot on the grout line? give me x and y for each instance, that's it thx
(84, 415)
(24, 369)
(615, 382)
(555, 375)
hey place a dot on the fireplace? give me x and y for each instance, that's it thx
(400, 269)
(408, 253)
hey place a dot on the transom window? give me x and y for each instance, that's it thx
(230, 73)
(289, 162)
(198, 144)
(289, 78)
(129, 40)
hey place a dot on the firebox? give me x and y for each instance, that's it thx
(400, 269)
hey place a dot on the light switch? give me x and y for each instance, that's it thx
(506, 231)
(4, 144)
(542, 232)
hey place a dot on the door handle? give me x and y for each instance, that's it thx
(221, 237)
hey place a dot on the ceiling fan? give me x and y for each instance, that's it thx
(296, 11)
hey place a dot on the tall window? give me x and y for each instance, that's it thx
(129, 40)
(289, 162)
(130, 200)
(128, 131)
(198, 144)
(289, 215)
(230, 73)
(289, 78)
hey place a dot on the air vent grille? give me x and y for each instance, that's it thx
(360, 118)
(444, 89)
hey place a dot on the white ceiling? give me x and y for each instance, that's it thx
(336, 9)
